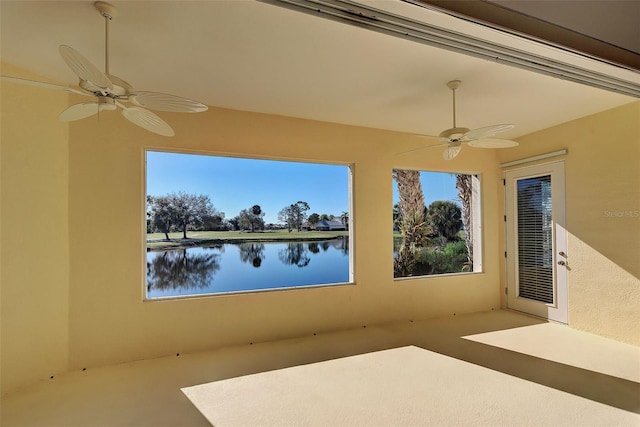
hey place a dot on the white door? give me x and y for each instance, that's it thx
(537, 241)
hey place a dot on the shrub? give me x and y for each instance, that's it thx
(445, 218)
(451, 259)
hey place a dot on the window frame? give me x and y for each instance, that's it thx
(351, 280)
(477, 209)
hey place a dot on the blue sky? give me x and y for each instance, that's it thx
(435, 186)
(234, 184)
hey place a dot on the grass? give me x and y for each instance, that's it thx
(157, 241)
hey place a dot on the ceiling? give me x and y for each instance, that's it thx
(251, 56)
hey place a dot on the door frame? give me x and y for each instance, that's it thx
(558, 310)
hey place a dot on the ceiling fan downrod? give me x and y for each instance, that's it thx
(454, 133)
(108, 11)
(453, 85)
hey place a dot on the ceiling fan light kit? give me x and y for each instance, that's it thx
(112, 92)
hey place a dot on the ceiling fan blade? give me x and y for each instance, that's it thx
(45, 85)
(421, 148)
(83, 110)
(488, 131)
(83, 68)
(420, 135)
(451, 152)
(492, 143)
(79, 111)
(442, 139)
(166, 102)
(147, 120)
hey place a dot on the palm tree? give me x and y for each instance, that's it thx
(412, 224)
(464, 186)
(344, 218)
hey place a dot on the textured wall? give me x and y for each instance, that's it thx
(77, 301)
(602, 215)
(73, 237)
(110, 323)
(35, 234)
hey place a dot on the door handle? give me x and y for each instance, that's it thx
(562, 262)
(562, 254)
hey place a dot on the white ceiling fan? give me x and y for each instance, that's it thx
(454, 137)
(112, 92)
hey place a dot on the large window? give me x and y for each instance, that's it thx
(221, 224)
(436, 223)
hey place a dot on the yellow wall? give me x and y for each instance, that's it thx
(602, 216)
(73, 240)
(34, 272)
(92, 301)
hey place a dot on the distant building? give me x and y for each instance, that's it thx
(330, 225)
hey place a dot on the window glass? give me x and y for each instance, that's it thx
(436, 223)
(221, 224)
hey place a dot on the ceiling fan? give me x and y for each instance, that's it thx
(111, 92)
(454, 137)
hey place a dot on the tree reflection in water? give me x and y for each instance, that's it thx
(294, 254)
(344, 246)
(181, 270)
(252, 253)
(339, 244)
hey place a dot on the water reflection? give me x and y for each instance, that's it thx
(182, 270)
(246, 266)
(294, 254)
(252, 253)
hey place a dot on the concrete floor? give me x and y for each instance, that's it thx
(497, 368)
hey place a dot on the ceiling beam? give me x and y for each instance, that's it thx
(500, 17)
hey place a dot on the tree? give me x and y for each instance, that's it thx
(396, 216)
(412, 225)
(162, 213)
(344, 218)
(233, 222)
(313, 219)
(286, 216)
(191, 209)
(181, 210)
(300, 213)
(464, 186)
(294, 215)
(244, 220)
(251, 219)
(213, 222)
(445, 219)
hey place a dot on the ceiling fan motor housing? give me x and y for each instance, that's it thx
(453, 134)
(121, 89)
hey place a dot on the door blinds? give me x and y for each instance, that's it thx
(535, 239)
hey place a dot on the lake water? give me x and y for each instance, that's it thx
(246, 266)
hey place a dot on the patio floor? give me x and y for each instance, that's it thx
(496, 368)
